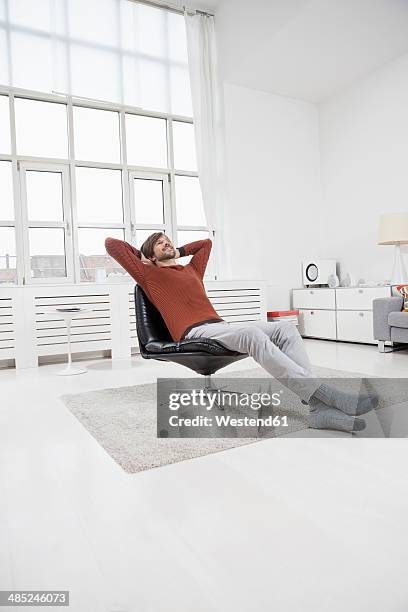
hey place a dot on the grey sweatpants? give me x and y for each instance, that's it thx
(276, 346)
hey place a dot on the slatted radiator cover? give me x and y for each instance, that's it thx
(237, 305)
(7, 331)
(132, 320)
(89, 331)
(28, 330)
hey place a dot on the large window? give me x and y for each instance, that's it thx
(96, 135)
(74, 172)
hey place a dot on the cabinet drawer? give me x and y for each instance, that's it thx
(359, 298)
(318, 323)
(314, 298)
(355, 326)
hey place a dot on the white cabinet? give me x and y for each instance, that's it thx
(344, 313)
(314, 298)
(355, 326)
(359, 298)
(318, 323)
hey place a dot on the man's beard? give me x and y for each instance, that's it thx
(168, 254)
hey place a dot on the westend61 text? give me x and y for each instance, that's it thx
(223, 420)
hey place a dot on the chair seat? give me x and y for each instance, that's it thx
(398, 319)
(206, 346)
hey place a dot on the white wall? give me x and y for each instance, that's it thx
(364, 166)
(273, 188)
(244, 28)
(307, 180)
(308, 49)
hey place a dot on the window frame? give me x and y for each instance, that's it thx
(167, 225)
(65, 224)
(20, 162)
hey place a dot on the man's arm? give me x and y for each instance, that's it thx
(200, 250)
(129, 258)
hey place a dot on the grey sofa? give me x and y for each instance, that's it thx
(390, 324)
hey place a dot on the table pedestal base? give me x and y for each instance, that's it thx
(71, 371)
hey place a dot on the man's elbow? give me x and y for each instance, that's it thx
(110, 244)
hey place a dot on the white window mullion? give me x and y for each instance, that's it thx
(193, 228)
(18, 218)
(186, 173)
(155, 227)
(171, 215)
(68, 233)
(51, 224)
(24, 215)
(102, 225)
(72, 188)
(128, 215)
(168, 223)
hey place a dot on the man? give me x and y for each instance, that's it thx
(178, 293)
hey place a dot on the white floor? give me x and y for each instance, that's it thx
(287, 524)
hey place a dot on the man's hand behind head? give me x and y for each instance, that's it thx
(146, 261)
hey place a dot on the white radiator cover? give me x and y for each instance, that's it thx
(28, 331)
(7, 330)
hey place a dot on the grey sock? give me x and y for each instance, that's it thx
(352, 404)
(326, 417)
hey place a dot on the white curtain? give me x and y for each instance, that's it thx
(207, 116)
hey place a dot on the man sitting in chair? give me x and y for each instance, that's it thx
(178, 293)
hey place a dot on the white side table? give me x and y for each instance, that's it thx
(67, 316)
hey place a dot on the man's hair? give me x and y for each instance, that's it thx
(148, 245)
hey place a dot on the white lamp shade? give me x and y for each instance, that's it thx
(393, 229)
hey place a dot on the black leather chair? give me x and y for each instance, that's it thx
(204, 356)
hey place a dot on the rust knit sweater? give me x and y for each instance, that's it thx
(176, 291)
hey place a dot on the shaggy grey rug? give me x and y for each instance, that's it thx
(123, 421)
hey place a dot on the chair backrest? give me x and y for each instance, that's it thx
(150, 325)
